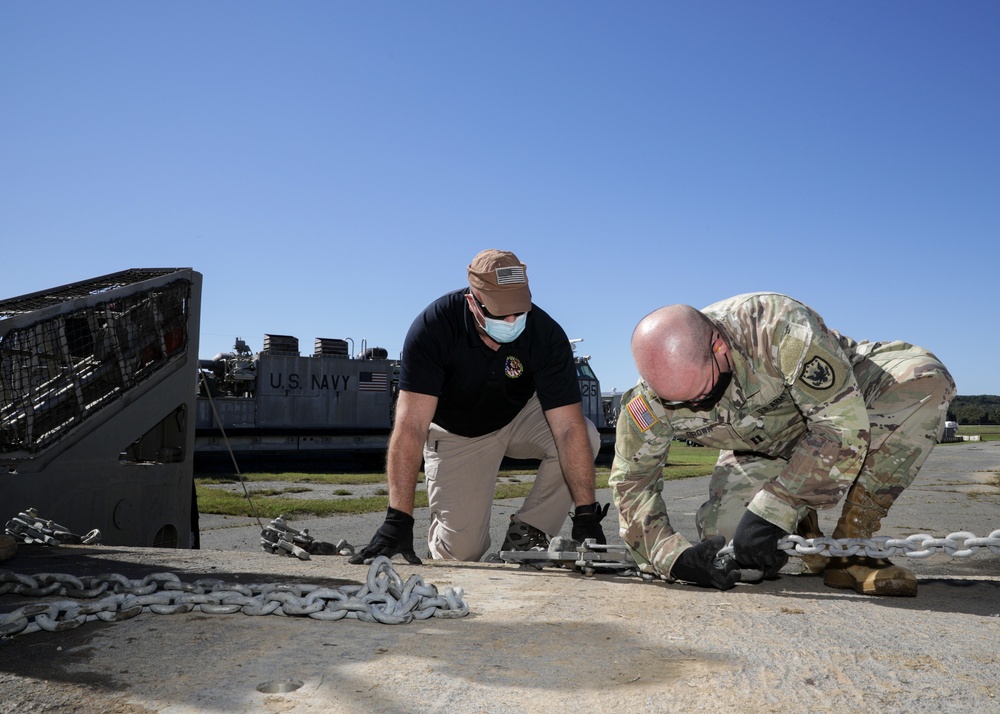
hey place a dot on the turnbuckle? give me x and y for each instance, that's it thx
(588, 557)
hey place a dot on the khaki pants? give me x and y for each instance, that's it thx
(907, 392)
(461, 478)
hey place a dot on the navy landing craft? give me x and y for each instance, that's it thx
(277, 408)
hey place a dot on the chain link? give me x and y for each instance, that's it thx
(961, 544)
(279, 537)
(590, 557)
(28, 527)
(384, 598)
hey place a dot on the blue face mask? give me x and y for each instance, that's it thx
(503, 331)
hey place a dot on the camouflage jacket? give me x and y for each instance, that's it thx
(793, 397)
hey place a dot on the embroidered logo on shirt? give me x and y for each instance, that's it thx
(818, 373)
(513, 367)
(639, 410)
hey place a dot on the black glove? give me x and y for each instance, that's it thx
(395, 535)
(755, 545)
(697, 565)
(587, 523)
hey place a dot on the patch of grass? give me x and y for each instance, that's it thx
(292, 477)
(684, 462)
(266, 492)
(213, 500)
(511, 490)
(986, 432)
(981, 494)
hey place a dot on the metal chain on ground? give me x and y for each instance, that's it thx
(279, 537)
(961, 544)
(590, 557)
(28, 527)
(383, 598)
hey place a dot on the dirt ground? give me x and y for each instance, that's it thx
(547, 640)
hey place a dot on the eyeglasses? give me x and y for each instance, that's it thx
(487, 313)
(716, 374)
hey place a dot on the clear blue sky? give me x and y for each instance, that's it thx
(332, 167)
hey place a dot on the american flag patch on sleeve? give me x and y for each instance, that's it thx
(511, 276)
(639, 410)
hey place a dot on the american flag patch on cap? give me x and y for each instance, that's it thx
(511, 275)
(639, 410)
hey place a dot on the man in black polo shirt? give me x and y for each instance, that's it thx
(487, 374)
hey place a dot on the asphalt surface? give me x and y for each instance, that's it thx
(547, 640)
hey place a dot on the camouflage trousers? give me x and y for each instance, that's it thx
(907, 392)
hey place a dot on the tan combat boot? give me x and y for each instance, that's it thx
(8, 547)
(862, 516)
(809, 528)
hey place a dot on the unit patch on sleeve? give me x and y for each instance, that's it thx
(818, 373)
(639, 410)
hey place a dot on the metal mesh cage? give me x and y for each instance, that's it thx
(83, 289)
(60, 370)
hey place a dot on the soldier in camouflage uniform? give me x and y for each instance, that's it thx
(801, 414)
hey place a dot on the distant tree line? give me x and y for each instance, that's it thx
(980, 409)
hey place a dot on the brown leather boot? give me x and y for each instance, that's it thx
(809, 528)
(862, 516)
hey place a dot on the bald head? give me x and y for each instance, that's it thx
(670, 347)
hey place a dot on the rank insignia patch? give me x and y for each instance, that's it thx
(639, 410)
(818, 373)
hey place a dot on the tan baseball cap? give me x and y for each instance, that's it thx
(502, 282)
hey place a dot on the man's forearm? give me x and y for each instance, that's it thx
(403, 468)
(577, 462)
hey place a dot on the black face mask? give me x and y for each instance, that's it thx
(713, 397)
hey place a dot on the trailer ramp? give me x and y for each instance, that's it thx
(97, 403)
